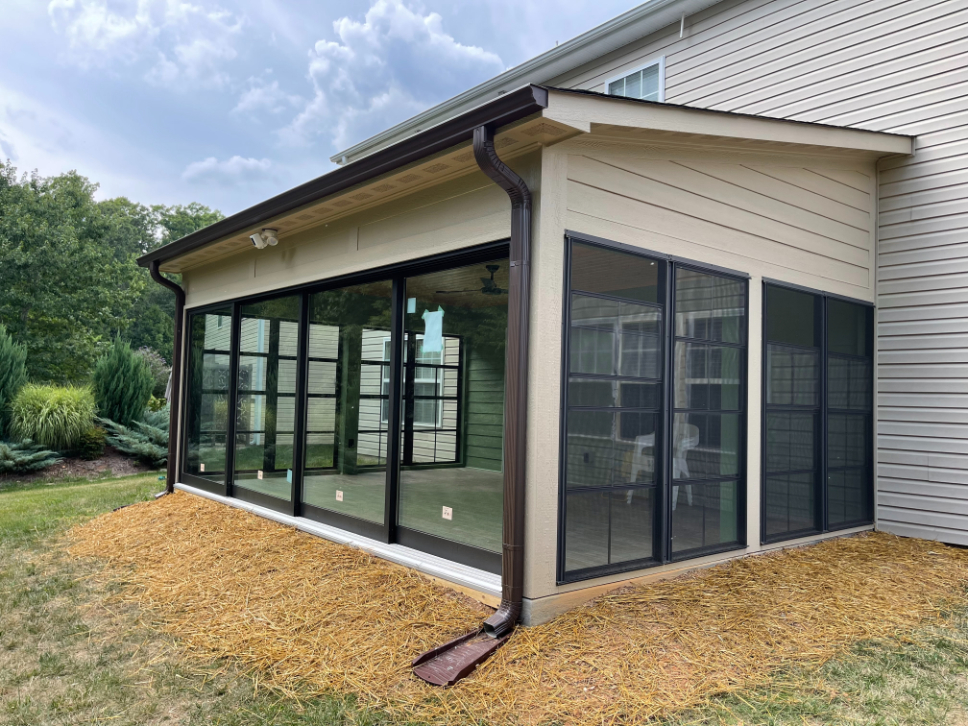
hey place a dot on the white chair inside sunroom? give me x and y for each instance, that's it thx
(643, 461)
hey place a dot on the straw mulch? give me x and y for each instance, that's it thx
(304, 613)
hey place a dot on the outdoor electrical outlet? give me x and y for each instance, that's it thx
(201, 467)
(258, 474)
(339, 496)
(447, 513)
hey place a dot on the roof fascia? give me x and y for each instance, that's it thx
(504, 110)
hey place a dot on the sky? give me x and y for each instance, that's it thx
(227, 104)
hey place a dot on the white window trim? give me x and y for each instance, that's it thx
(660, 61)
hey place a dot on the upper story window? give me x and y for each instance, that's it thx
(646, 83)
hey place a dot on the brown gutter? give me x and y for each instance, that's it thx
(516, 393)
(175, 403)
(503, 110)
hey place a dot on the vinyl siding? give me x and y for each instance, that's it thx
(883, 65)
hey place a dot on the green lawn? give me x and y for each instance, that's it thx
(70, 654)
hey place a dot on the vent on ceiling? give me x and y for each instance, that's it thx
(409, 178)
(435, 168)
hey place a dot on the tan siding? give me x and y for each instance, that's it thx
(729, 207)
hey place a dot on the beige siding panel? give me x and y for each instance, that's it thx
(610, 193)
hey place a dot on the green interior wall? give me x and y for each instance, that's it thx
(484, 417)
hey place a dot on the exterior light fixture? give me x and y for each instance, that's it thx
(265, 238)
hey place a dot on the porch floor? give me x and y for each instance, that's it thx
(309, 614)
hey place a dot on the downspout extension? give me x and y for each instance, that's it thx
(175, 370)
(503, 621)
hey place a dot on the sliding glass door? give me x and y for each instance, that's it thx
(207, 394)
(345, 471)
(375, 405)
(265, 414)
(452, 411)
(818, 413)
(653, 449)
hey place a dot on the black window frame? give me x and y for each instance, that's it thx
(662, 512)
(823, 410)
(389, 531)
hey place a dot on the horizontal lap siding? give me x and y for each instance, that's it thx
(884, 65)
(756, 214)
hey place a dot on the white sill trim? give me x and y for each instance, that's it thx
(470, 577)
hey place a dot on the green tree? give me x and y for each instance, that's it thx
(122, 384)
(62, 289)
(154, 310)
(13, 375)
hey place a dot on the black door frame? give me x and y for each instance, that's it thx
(388, 531)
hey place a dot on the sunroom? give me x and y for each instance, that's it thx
(552, 345)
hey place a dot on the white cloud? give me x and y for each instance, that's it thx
(234, 171)
(392, 65)
(187, 43)
(263, 96)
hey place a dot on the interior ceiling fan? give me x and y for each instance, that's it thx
(490, 287)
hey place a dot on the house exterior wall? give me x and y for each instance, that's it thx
(801, 219)
(883, 65)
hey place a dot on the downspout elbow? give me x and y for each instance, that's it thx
(172, 468)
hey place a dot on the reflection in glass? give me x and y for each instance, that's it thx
(710, 307)
(617, 274)
(614, 399)
(207, 400)
(608, 527)
(452, 447)
(707, 429)
(791, 492)
(266, 400)
(850, 413)
(347, 394)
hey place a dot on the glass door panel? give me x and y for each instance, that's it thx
(452, 423)
(347, 401)
(207, 399)
(614, 401)
(266, 404)
(708, 419)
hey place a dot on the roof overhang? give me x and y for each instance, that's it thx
(504, 110)
(525, 120)
(586, 111)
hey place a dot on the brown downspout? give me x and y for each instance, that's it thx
(516, 395)
(175, 371)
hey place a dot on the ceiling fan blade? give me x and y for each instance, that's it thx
(453, 292)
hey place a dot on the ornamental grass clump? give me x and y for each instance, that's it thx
(122, 384)
(13, 375)
(52, 416)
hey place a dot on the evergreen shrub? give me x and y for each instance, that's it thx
(160, 370)
(13, 375)
(23, 457)
(122, 384)
(52, 416)
(91, 444)
(145, 440)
